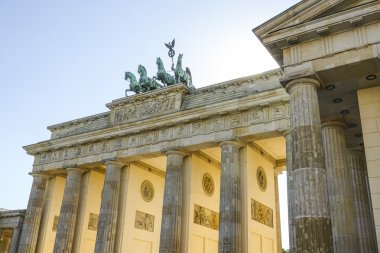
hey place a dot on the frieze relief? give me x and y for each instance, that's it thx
(257, 115)
(261, 213)
(144, 221)
(206, 217)
(144, 109)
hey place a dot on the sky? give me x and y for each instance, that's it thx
(62, 60)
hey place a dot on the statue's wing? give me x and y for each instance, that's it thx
(173, 42)
(167, 45)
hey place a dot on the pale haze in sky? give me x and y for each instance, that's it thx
(62, 60)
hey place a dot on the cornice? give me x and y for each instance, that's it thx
(265, 98)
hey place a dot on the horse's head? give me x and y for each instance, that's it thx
(180, 56)
(128, 75)
(159, 61)
(141, 69)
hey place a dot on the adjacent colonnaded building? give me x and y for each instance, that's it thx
(180, 170)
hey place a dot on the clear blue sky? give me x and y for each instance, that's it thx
(61, 60)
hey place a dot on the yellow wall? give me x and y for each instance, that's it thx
(369, 105)
(261, 238)
(203, 239)
(57, 185)
(93, 201)
(137, 240)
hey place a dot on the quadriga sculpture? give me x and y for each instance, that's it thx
(133, 84)
(146, 82)
(182, 76)
(162, 75)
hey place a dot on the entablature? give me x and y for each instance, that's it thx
(308, 27)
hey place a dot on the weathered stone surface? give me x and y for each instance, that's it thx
(289, 173)
(105, 237)
(339, 182)
(15, 240)
(68, 214)
(172, 207)
(364, 218)
(311, 212)
(230, 226)
(33, 214)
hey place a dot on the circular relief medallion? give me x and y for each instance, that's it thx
(147, 191)
(208, 184)
(261, 178)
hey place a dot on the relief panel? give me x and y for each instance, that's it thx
(144, 221)
(261, 213)
(206, 217)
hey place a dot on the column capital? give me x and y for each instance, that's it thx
(286, 132)
(302, 81)
(235, 143)
(334, 123)
(76, 169)
(174, 152)
(116, 163)
(39, 174)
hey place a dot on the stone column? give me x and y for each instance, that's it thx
(68, 213)
(229, 223)
(339, 183)
(311, 211)
(15, 240)
(172, 207)
(105, 237)
(278, 219)
(33, 213)
(364, 220)
(289, 174)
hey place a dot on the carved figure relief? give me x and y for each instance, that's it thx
(93, 221)
(147, 191)
(208, 184)
(143, 109)
(261, 213)
(206, 217)
(55, 223)
(261, 178)
(144, 221)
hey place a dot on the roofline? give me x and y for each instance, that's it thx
(303, 2)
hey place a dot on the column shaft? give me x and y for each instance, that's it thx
(15, 240)
(105, 237)
(68, 214)
(170, 236)
(32, 218)
(311, 212)
(229, 225)
(364, 219)
(345, 237)
(289, 174)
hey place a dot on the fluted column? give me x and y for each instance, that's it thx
(345, 237)
(105, 237)
(15, 240)
(364, 220)
(278, 219)
(289, 174)
(172, 207)
(32, 218)
(67, 218)
(229, 224)
(312, 223)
